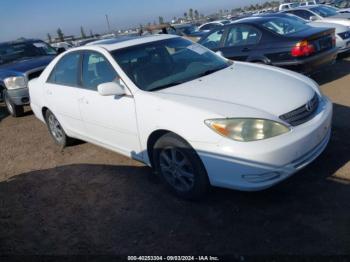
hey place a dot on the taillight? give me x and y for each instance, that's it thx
(303, 48)
(333, 40)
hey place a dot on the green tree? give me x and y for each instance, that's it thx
(49, 38)
(60, 34)
(161, 20)
(82, 32)
(190, 12)
(196, 14)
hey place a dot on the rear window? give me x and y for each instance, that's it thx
(285, 26)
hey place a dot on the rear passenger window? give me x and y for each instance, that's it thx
(242, 35)
(66, 70)
(96, 71)
(303, 14)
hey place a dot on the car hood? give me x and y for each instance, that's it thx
(25, 65)
(263, 88)
(343, 18)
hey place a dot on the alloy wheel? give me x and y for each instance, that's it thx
(177, 169)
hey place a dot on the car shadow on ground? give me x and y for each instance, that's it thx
(333, 72)
(105, 209)
(3, 112)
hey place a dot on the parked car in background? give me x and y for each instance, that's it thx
(342, 32)
(287, 6)
(189, 31)
(207, 27)
(21, 61)
(308, 3)
(278, 41)
(185, 111)
(342, 5)
(63, 45)
(322, 13)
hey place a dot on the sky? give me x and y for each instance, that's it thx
(36, 18)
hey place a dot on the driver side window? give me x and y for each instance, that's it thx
(214, 39)
(96, 70)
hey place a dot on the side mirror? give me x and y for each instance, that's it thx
(219, 53)
(60, 50)
(313, 18)
(111, 89)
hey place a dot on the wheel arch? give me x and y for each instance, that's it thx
(154, 137)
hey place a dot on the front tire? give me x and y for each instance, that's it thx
(56, 130)
(13, 109)
(180, 167)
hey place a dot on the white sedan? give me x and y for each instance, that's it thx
(195, 117)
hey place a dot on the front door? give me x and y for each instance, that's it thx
(109, 120)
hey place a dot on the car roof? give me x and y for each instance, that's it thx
(308, 7)
(20, 41)
(122, 42)
(255, 19)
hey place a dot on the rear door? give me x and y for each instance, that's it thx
(109, 120)
(240, 42)
(61, 92)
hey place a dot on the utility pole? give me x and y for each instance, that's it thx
(108, 24)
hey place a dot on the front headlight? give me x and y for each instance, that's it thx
(15, 82)
(247, 129)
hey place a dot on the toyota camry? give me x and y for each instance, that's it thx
(198, 119)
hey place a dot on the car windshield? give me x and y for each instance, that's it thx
(285, 26)
(324, 11)
(162, 64)
(188, 29)
(10, 52)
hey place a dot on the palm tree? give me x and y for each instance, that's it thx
(49, 38)
(83, 35)
(191, 13)
(196, 14)
(185, 16)
(60, 34)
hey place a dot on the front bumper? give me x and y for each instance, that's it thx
(19, 96)
(259, 165)
(310, 64)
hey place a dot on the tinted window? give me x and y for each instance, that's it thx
(96, 70)
(209, 26)
(242, 35)
(10, 52)
(284, 26)
(302, 13)
(324, 11)
(66, 70)
(213, 40)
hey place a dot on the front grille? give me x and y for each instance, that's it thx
(34, 74)
(302, 114)
(345, 35)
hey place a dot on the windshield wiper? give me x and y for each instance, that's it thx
(211, 71)
(166, 86)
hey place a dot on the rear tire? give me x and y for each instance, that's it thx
(56, 131)
(14, 110)
(180, 167)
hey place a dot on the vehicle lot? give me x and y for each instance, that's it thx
(88, 200)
